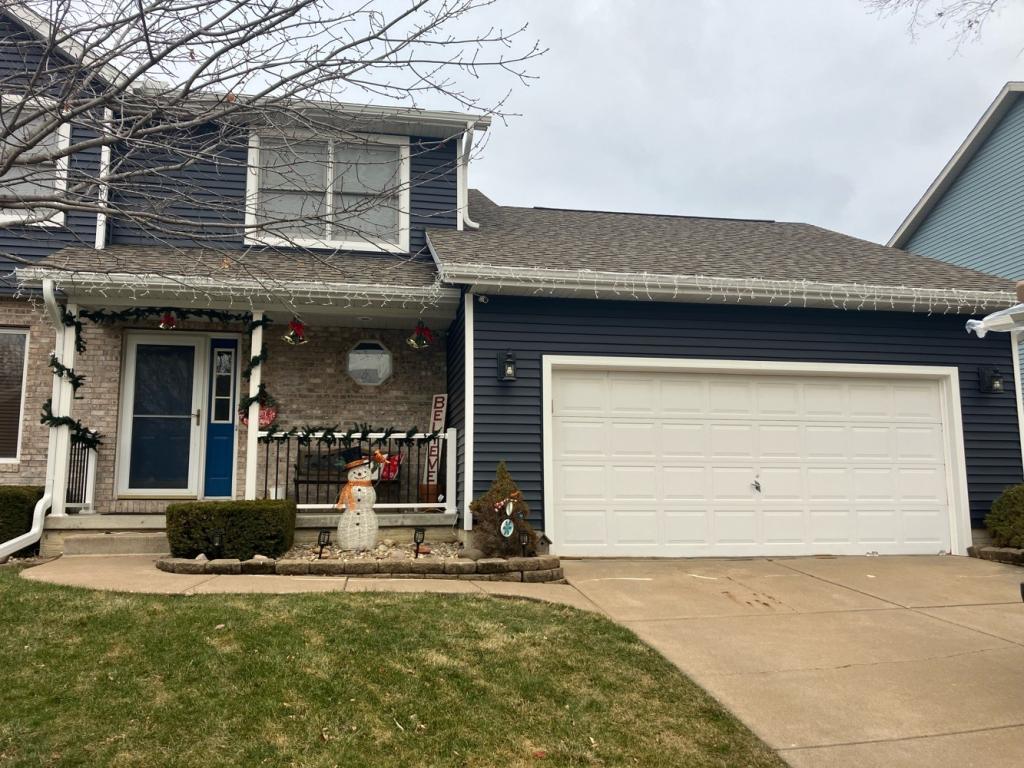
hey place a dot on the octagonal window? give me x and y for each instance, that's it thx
(369, 363)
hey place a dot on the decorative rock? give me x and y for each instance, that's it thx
(395, 566)
(181, 565)
(259, 566)
(492, 565)
(472, 553)
(460, 566)
(224, 566)
(546, 562)
(398, 555)
(202, 558)
(360, 566)
(327, 567)
(425, 549)
(426, 566)
(524, 563)
(388, 543)
(292, 567)
(551, 574)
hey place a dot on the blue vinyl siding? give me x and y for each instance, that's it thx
(21, 54)
(212, 191)
(507, 416)
(456, 367)
(979, 221)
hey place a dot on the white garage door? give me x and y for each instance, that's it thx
(696, 464)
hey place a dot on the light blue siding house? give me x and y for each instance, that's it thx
(972, 215)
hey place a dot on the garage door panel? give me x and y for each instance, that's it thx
(732, 441)
(684, 483)
(582, 438)
(664, 464)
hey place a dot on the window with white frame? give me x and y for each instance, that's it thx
(13, 357)
(310, 192)
(34, 173)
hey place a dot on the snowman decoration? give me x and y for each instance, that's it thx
(357, 528)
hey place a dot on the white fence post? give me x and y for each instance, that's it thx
(252, 431)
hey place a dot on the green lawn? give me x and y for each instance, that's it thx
(102, 679)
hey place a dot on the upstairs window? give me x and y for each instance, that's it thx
(13, 351)
(34, 173)
(329, 193)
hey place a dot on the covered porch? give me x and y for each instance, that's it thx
(228, 390)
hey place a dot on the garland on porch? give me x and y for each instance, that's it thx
(80, 434)
(91, 437)
(329, 435)
(76, 380)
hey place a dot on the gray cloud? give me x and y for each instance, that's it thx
(796, 110)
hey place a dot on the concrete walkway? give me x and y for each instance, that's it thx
(137, 573)
(840, 662)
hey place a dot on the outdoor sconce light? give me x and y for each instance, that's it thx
(323, 539)
(524, 539)
(418, 535)
(990, 380)
(506, 366)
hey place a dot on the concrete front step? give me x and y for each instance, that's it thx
(116, 544)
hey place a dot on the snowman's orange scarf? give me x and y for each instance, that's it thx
(346, 499)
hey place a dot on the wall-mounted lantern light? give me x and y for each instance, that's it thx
(990, 380)
(506, 366)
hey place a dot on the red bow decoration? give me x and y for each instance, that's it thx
(421, 337)
(168, 322)
(296, 332)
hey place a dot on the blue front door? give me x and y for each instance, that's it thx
(220, 421)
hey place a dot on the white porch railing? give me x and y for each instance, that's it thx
(81, 493)
(311, 470)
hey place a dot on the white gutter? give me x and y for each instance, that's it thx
(191, 286)
(699, 288)
(35, 531)
(467, 147)
(1003, 321)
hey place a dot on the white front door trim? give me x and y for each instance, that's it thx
(948, 377)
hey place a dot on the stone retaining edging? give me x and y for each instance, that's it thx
(1008, 555)
(544, 568)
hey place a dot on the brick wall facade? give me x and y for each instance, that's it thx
(310, 382)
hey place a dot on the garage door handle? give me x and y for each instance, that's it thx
(756, 485)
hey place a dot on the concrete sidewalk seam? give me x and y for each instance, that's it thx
(841, 586)
(899, 739)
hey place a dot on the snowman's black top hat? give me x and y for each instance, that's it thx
(353, 457)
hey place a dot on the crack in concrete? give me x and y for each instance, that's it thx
(897, 739)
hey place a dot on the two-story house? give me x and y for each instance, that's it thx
(659, 385)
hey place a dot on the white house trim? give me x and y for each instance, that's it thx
(468, 409)
(24, 384)
(1015, 340)
(959, 506)
(999, 107)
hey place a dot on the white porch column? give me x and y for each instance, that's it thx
(62, 407)
(252, 433)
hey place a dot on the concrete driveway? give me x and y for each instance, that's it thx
(873, 661)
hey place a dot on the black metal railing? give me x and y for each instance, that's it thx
(311, 470)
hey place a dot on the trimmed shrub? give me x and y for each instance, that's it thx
(490, 511)
(1005, 521)
(17, 503)
(246, 528)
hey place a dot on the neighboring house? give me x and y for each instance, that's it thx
(659, 385)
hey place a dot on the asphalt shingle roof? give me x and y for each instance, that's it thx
(260, 265)
(560, 239)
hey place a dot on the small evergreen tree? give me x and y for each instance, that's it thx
(491, 510)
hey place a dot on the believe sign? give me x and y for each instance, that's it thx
(438, 413)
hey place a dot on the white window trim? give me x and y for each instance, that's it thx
(24, 386)
(60, 179)
(949, 378)
(252, 186)
(232, 416)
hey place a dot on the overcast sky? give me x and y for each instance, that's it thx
(796, 110)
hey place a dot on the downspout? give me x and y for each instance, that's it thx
(35, 531)
(467, 147)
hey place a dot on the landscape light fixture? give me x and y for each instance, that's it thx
(506, 366)
(418, 536)
(218, 543)
(323, 539)
(990, 381)
(524, 540)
